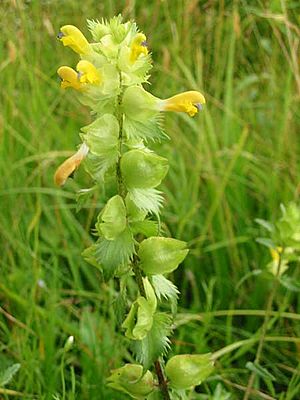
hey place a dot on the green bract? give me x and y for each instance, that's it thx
(132, 380)
(142, 169)
(187, 370)
(113, 218)
(161, 255)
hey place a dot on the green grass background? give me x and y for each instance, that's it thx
(236, 161)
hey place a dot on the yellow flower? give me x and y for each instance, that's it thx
(88, 73)
(138, 46)
(275, 253)
(189, 102)
(69, 165)
(71, 36)
(69, 78)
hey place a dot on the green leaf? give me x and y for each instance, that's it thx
(290, 283)
(148, 200)
(143, 169)
(111, 254)
(164, 288)
(156, 343)
(266, 242)
(112, 221)
(83, 196)
(120, 302)
(260, 371)
(265, 224)
(89, 255)
(7, 375)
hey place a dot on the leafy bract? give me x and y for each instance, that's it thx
(147, 200)
(111, 254)
(156, 343)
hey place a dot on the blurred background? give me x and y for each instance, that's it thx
(236, 161)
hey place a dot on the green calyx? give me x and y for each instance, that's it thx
(112, 221)
(101, 136)
(140, 317)
(132, 380)
(139, 105)
(187, 370)
(161, 255)
(143, 169)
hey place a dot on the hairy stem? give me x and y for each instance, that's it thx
(136, 269)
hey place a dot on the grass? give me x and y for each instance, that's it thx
(237, 161)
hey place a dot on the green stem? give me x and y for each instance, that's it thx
(163, 385)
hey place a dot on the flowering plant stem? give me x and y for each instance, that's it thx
(109, 78)
(135, 263)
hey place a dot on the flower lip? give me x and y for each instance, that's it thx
(199, 106)
(60, 35)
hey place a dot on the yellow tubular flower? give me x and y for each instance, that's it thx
(189, 102)
(138, 46)
(71, 36)
(69, 165)
(69, 78)
(88, 73)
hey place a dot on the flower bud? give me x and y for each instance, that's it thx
(69, 343)
(161, 255)
(141, 169)
(112, 220)
(187, 370)
(130, 379)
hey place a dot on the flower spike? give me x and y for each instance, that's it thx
(88, 73)
(69, 78)
(71, 36)
(189, 102)
(69, 165)
(138, 46)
